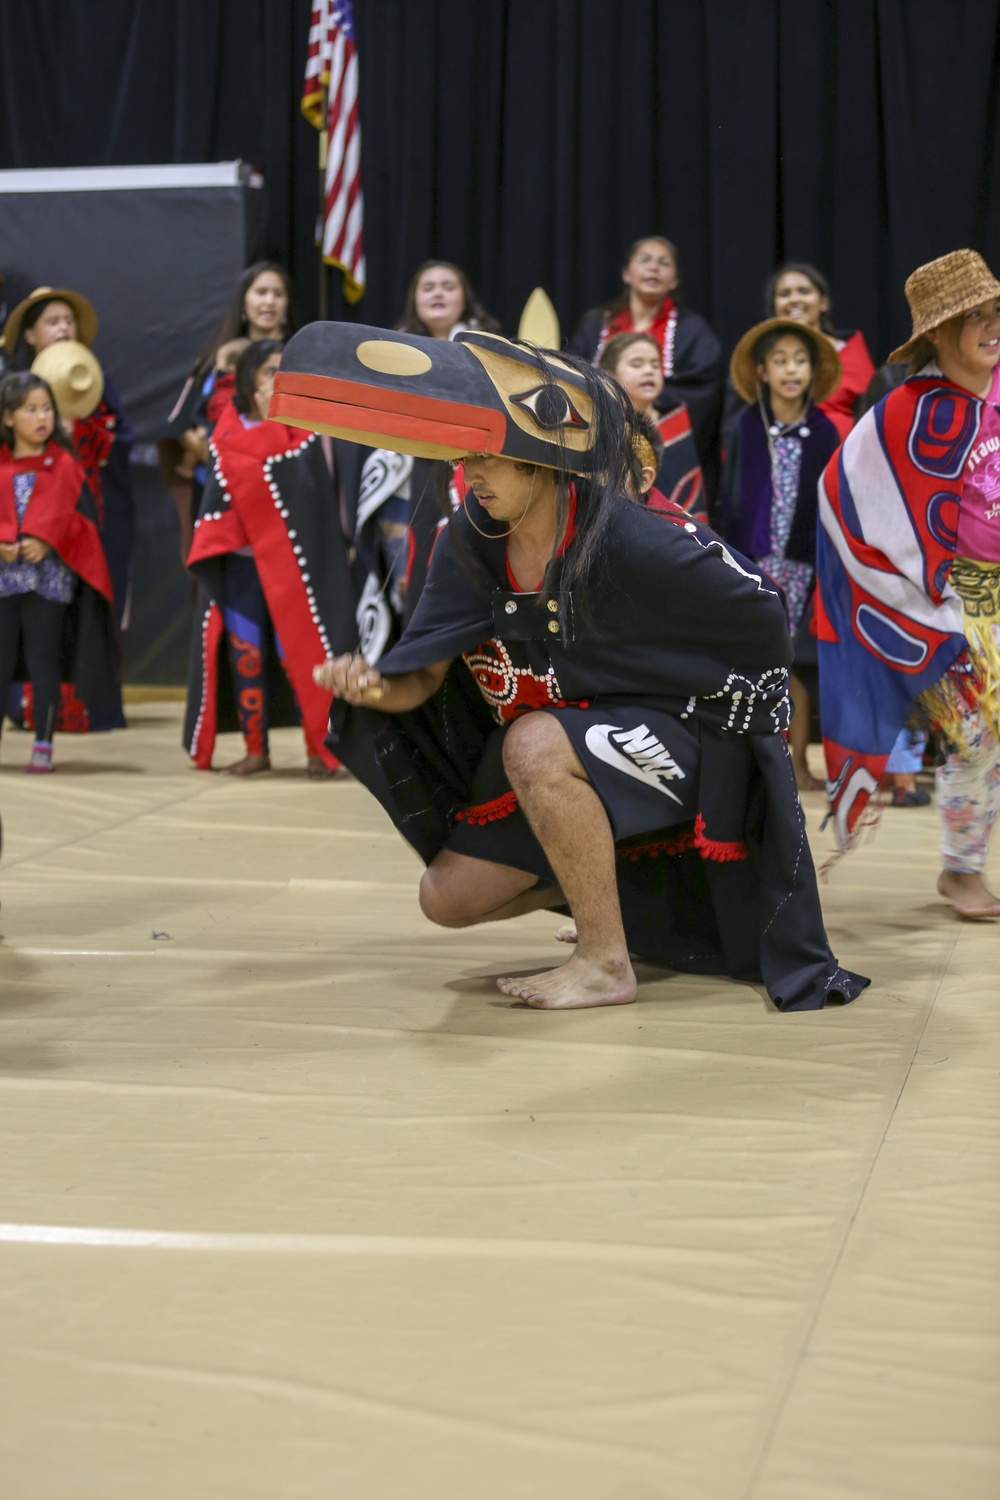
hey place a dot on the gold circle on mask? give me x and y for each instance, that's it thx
(390, 357)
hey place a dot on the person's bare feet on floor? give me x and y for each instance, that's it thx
(579, 984)
(567, 933)
(968, 894)
(318, 770)
(806, 781)
(250, 765)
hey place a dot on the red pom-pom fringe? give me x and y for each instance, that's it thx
(489, 812)
(676, 845)
(720, 850)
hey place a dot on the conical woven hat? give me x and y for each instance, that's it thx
(86, 317)
(76, 379)
(827, 370)
(943, 289)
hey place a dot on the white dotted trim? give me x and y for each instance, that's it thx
(193, 752)
(486, 668)
(302, 561)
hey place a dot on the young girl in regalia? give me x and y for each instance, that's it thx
(55, 591)
(780, 447)
(909, 572)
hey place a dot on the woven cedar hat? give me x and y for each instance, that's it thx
(86, 317)
(75, 377)
(943, 289)
(827, 370)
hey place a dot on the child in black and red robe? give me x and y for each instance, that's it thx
(270, 557)
(55, 591)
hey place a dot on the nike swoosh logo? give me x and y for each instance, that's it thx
(637, 753)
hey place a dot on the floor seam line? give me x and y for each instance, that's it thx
(769, 1437)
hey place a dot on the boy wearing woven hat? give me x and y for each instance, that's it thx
(780, 446)
(909, 565)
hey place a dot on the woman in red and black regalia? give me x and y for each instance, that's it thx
(56, 622)
(271, 561)
(799, 291)
(690, 353)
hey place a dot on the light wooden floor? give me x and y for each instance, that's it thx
(295, 1204)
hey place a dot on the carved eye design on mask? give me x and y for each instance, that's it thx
(551, 408)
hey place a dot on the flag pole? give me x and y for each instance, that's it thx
(323, 300)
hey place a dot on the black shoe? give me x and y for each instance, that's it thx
(902, 797)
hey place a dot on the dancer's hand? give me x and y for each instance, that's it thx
(9, 551)
(350, 678)
(34, 550)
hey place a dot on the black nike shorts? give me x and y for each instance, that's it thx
(642, 763)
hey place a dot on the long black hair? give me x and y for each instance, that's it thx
(234, 322)
(598, 494)
(247, 366)
(819, 281)
(473, 312)
(14, 392)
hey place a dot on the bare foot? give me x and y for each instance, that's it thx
(580, 983)
(566, 934)
(250, 765)
(969, 894)
(806, 781)
(318, 770)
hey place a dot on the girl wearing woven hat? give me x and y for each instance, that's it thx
(909, 565)
(779, 448)
(55, 592)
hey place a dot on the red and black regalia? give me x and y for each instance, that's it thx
(678, 473)
(665, 662)
(102, 443)
(61, 512)
(268, 505)
(690, 357)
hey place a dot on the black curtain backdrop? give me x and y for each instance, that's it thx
(531, 140)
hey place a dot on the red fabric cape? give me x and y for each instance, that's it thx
(858, 370)
(662, 329)
(56, 513)
(239, 455)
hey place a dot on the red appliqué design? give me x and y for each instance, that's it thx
(72, 716)
(93, 439)
(509, 690)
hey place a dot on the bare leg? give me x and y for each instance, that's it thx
(459, 891)
(798, 738)
(571, 825)
(968, 893)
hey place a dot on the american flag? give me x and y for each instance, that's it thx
(330, 102)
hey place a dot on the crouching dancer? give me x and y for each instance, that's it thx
(587, 707)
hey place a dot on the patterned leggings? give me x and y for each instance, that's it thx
(244, 612)
(968, 788)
